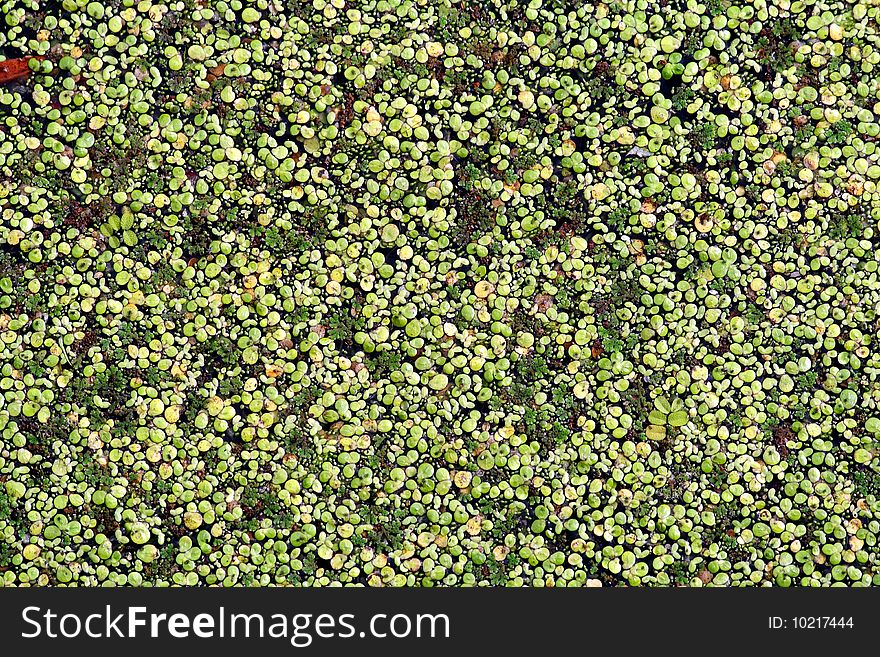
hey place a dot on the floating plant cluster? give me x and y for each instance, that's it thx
(433, 293)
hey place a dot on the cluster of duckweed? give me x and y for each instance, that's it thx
(432, 293)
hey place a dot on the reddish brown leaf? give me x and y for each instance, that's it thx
(13, 69)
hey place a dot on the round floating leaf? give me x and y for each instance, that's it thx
(678, 418)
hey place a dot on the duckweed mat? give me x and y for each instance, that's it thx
(422, 293)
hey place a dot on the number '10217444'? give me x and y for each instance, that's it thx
(810, 622)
